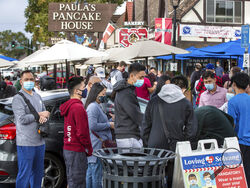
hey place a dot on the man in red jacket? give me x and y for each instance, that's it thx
(77, 143)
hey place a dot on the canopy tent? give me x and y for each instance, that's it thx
(7, 58)
(231, 48)
(6, 63)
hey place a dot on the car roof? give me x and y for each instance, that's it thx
(46, 95)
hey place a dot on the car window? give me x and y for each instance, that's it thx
(5, 112)
(55, 114)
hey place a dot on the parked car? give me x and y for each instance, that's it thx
(54, 164)
(60, 78)
(12, 73)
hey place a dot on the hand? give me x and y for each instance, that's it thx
(44, 114)
(112, 116)
(112, 125)
(42, 119)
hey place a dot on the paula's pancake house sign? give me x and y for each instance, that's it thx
(79, 17)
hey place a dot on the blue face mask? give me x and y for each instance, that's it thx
(139, 83)
(103, 99)
(28, 85)
(209, 87)
(84, 93)
(229, 96)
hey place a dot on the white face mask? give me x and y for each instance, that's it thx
(208, 180)
(193, 182)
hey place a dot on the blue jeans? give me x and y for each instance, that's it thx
(30, 166)
(94, 175)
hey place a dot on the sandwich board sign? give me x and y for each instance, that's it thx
(209, 168)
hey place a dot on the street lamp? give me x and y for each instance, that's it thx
(175, 4)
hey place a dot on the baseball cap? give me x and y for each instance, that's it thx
(210, 66)
(100, 72)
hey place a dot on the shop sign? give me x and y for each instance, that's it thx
(129, 36)
(79, 17)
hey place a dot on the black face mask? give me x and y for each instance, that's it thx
(103, 99)
(84, 93)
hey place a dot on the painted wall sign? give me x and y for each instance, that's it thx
(209, 31)
(130, 36)
(79, 17)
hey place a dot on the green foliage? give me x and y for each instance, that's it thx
(6, 38)
(37, 17)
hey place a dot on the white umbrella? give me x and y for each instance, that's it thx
(5, 63)
(147, 48)
(24, 62)
(65, 50)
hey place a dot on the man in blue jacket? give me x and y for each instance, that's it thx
(239, 109)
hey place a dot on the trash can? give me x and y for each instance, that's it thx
(132, 167)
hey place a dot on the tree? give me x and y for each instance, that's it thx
(37, 17)
(6, 39)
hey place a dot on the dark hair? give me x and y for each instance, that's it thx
(241, 80)
(152, 68)
(25, 72)
(73, 82)
(180, 81)
(191, 175)
(94, 92)
(122, 63)
(161, 82)
(208, 74)
(7, 78)
(136, 67)
(206, 174)
(3, 85)
(236, 69)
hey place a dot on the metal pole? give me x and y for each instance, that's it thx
(67, 72)
(55, 74)
(174, 34)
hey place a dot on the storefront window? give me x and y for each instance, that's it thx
(221, 11)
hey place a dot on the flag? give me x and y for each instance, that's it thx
(107, 33)
(163, 30)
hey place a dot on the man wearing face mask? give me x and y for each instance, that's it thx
(128, 116)
(77, 143)
(200, 88)
(30, 144)
(116, 75)
(214, 95)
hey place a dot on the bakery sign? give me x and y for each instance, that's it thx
(79, 17)
(129, 36)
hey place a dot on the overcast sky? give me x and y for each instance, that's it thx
(12, 15)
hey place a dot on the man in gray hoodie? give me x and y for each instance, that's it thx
(169, 118)
(172, 110)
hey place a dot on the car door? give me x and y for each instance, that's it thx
(54, 142)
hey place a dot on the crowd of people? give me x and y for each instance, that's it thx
(220, 109)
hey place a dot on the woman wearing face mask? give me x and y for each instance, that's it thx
(99, 125)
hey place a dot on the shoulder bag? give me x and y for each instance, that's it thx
(105, 143)
(42, 129)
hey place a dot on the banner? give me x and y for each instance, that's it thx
(209, 31)
(130, 36)
(107, 33)
(163, 30)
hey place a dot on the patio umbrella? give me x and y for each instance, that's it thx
(24, 62)
(144, 49)
(65, 51)
(5, 63)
